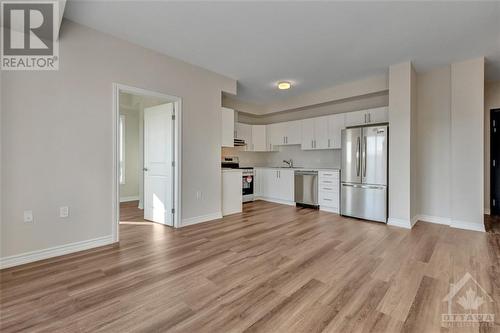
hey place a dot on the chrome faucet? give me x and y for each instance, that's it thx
(289, 163)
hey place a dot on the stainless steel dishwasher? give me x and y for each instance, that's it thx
(306, 187)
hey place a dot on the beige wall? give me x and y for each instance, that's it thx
(57, 137)
(433, 145)
(414, 200)
(491, 101)
(401, 80)
(450, 144)
(467, 143)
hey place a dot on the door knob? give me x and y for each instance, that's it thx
(145, 169)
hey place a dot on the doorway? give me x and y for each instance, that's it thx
(147, 145)
(494, 162)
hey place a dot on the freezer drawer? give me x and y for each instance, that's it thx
(364, 201)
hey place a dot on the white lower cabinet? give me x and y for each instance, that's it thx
(329, 190)
(275, 184)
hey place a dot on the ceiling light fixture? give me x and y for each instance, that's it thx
(284, 85)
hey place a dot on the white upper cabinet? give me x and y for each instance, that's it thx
(307, 141)
(321, 133)
(355, 118)
(287, 133)
(292, 131)
(227, 127)
(336, 123)
(244, 132)
(370, 116)
(259, 138)
(315, 133)
(276, 134)
(378, 115)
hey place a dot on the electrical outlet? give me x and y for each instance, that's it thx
(64, 211)
(28, 216)
(198, 195)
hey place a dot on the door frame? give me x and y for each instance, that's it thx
(491, 168)
(177, 144)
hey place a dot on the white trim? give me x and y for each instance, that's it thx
(117, 88)
(414, 220)
(25, 258)
(467, 225)
(399, 223)
(434, 219)
(329, 209)
(452, 223)
(487, 211)
(278, 201)
(201, 219)
(131, 198)
(121, 147)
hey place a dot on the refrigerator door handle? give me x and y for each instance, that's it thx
(358, 147)
(364, 156)
(372, 187)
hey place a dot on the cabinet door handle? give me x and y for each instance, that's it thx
(369, 117)
(328, 143)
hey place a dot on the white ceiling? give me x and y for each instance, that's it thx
(313, 44)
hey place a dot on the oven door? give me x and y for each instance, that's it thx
(248, 181)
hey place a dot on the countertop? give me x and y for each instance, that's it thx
(298, 168)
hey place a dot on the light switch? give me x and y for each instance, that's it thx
(64, 211)
(28, 216)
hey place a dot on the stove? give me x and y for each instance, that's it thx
(248, 178)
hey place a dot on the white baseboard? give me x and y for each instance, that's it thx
(399, 223)
(127, 199)
(452, 223)
(25, 258)
(487, 211)
(201, 219)
(434, 219)
(329, 209)
(467, 225)
(283, 202)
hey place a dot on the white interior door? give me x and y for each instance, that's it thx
(158, 156)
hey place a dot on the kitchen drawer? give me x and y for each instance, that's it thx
(328, 202)
(329, 187)
(329, 174)
(328, 182)
(329, 195)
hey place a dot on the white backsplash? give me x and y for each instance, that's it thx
(301, 158)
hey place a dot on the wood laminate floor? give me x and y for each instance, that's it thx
(272, 268)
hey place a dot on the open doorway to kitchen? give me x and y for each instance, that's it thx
(147, 154)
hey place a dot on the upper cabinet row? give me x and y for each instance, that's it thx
(313, 133)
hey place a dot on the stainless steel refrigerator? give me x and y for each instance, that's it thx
(364, 173)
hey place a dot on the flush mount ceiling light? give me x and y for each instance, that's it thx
(284, 85)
